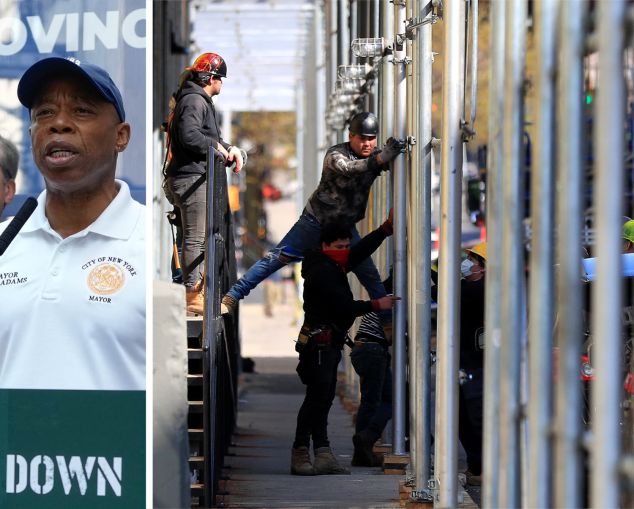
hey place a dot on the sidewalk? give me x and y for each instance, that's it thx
(260, 459)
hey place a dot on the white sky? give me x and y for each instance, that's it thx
(263, 43)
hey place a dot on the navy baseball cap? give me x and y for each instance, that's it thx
(31, 81)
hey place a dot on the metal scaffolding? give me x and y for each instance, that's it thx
(536, 434)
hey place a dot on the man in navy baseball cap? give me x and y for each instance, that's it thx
(43, 71)
(81, 254)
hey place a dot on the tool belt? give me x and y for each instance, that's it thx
(363, 343)
(320, 337)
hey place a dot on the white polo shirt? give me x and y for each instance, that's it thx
(72, 311)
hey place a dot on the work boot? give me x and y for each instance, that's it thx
(195, 302)
(227, 305)
(300, 462)
(363, 454)
(326, 463)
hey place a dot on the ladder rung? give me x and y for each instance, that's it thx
(194, 353)
(195, 406)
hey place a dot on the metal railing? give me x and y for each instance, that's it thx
(221, 345)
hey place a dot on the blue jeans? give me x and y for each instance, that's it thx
(372, 363)
(304, 235)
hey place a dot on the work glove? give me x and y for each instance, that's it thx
(388, 225)
(392, 148)
(238, 159)
(384, 303)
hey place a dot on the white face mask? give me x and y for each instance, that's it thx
(465, 267)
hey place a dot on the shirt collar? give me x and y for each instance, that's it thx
(114, 221)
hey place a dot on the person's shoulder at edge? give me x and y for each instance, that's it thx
(4, 223)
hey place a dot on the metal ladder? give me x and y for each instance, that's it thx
(196, 411)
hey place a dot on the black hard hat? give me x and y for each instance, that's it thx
(364, 124)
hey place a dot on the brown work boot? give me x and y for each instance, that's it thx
(300, 462)
(227, 305)
(326, 463)
(195, 301)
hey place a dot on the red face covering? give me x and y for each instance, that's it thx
(339, 256)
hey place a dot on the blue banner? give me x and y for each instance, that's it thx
(108, 33)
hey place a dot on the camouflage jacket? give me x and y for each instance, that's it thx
(346, 179)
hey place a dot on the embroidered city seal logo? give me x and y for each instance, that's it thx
(106, 279)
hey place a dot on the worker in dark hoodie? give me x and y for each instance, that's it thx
(330, 309)
(192, 129)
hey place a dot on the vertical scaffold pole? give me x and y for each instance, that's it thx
(446, 436)
(386, 121)
(512, 263)
(495, 169)
(380, 197)
(399, 172)
(541, 292)
(331, 57)
(375, 32)
(569, 338)
(607, 299)
(413, 340)
(419, 256)
(354, 17)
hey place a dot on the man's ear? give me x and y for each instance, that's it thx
(123, 136)
(8, 196)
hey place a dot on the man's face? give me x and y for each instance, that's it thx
(216, 85)
(477, 270)
(363, 146)
(339, 244)
(7, 190)
(76, 136)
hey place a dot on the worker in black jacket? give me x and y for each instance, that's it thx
(471, 375)
(192, 129)
(330, 309)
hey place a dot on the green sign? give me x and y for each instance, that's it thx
(72, 449)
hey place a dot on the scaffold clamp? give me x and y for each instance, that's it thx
(422, 495)
(404, 60)
(467, 131)
(412, 24)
